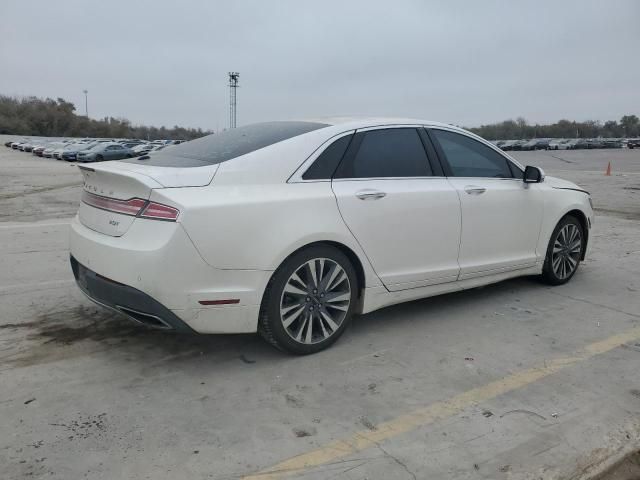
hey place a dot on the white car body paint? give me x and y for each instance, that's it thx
(240, 219)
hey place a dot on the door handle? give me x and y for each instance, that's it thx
(473, 190)
(370, 194)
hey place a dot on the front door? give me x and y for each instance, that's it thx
(501, 215)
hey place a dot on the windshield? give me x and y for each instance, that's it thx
(220, 147)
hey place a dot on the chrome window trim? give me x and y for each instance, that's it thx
(365, 179)
(296, 176)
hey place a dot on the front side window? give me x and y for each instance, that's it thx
(470, 158)
(394, 152)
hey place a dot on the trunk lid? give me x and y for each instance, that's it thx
(122, 181)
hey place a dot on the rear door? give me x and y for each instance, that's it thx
(501, 215)
(399, 207)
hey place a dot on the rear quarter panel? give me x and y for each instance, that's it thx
(256, 227)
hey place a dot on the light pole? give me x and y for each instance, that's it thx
(233, 106)
(86, 103)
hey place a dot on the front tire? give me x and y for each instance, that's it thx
(309, 301)
(564, 251)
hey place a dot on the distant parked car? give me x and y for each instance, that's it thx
(504, 144)
(104, 151)
(8, 144)
(70, 153)
(633, 143)
(58, 152)
(565, 145)
(577, 144)
(39, 149)
(558, 144)
(142, 149)
(48, 152)
(517, 145)
(612, 143)
(536, 144)
(130, 143)
(594, 143)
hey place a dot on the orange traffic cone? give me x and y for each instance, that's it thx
(608, 172)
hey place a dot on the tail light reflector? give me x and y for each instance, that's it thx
(135, 207)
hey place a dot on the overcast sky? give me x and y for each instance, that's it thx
(463, 62)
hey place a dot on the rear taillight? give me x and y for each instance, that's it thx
(135, 207)
(159, 211)
(125, 207)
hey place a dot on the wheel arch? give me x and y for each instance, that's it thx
(353, 257)
(584, 223)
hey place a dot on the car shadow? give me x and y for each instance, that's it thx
(86, 328)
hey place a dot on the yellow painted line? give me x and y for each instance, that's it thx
(437, 411)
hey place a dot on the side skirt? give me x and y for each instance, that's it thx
(379, 297)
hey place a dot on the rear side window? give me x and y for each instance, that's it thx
(469, 158)
(327, 162)
(220, 147)
(395, 152)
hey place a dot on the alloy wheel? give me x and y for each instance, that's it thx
(315, 301)
(567, 249)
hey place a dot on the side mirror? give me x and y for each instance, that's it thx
(533, 175)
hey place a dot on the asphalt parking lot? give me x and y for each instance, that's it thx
(513, 381)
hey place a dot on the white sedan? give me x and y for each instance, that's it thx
(291, 228)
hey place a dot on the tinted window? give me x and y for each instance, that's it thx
(396, 152)
(469, 158)
(327, 162)
(517, 173)
(229, 144)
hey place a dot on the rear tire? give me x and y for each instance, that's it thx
(564, 251)
(309, 300)
(99, 158)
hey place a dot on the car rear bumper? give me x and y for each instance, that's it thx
(126, 300)
(153, 269)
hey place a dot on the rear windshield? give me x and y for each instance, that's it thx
(226, 145)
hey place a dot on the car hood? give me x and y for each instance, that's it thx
(563, 184)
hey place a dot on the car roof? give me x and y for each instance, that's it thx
(354, 122)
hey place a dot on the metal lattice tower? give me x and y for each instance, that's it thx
(234, 77)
